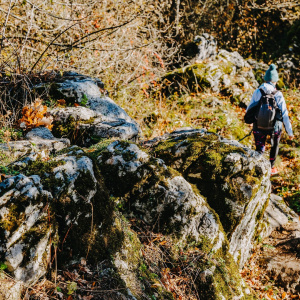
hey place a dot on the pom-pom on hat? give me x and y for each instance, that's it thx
(271, 74)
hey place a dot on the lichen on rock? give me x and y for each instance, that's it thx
(165, 202)
(95, 116)
(225, 72)
(237, 176)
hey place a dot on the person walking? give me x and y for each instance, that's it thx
(260, 135)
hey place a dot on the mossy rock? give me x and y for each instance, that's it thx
(234, 180)
(184, 80)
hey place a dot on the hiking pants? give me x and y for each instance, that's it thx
(260, 141)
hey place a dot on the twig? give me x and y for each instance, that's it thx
(40, 57)
(100, 30)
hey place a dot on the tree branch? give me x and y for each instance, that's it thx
(40, 57)
(100, 30)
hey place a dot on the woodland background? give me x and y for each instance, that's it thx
(130, 45)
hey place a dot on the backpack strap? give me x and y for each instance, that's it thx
(263, 93)
(274, 92)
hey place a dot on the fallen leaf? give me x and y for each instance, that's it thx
(61, 102)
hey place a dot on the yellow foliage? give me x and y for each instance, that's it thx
(35, 115)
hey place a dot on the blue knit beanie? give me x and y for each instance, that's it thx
(271, 74)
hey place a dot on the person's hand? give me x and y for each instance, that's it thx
(291, 137)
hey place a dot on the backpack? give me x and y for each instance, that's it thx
(265, 113)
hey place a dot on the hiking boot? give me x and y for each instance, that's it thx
(274, 171)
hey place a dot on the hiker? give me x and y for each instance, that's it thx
(268, 90)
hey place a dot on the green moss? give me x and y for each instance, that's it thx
(192, 78)
(227, 68)
(226, 280)
(65, 129)
(39, 167)
(202, 163)
(13, 219)
(71, 150)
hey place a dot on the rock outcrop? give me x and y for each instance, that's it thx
(226, 73)
(164, 201)
(233, 178)
(207, 196)
(38, 210)
(39, 139)
(94, 116)
(78, 206)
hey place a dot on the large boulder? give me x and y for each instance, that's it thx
(95, 116)
(165, 201)
(234, 179)
(55, 206)
(161, 199)
(85, 126)
(64, 207)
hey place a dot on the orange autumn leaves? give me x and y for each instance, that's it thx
(35, 115)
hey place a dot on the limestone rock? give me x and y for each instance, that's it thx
(175, 207)
(168, 204)
(84, 125)
(65, 204)
(39, 133)
(207, 46)
(21, 227)
(98, 115)
(82, 206)
(276, 216)
(237, 177)
(78, 113)
(39, 140)
(225, 72)
(57, 201)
